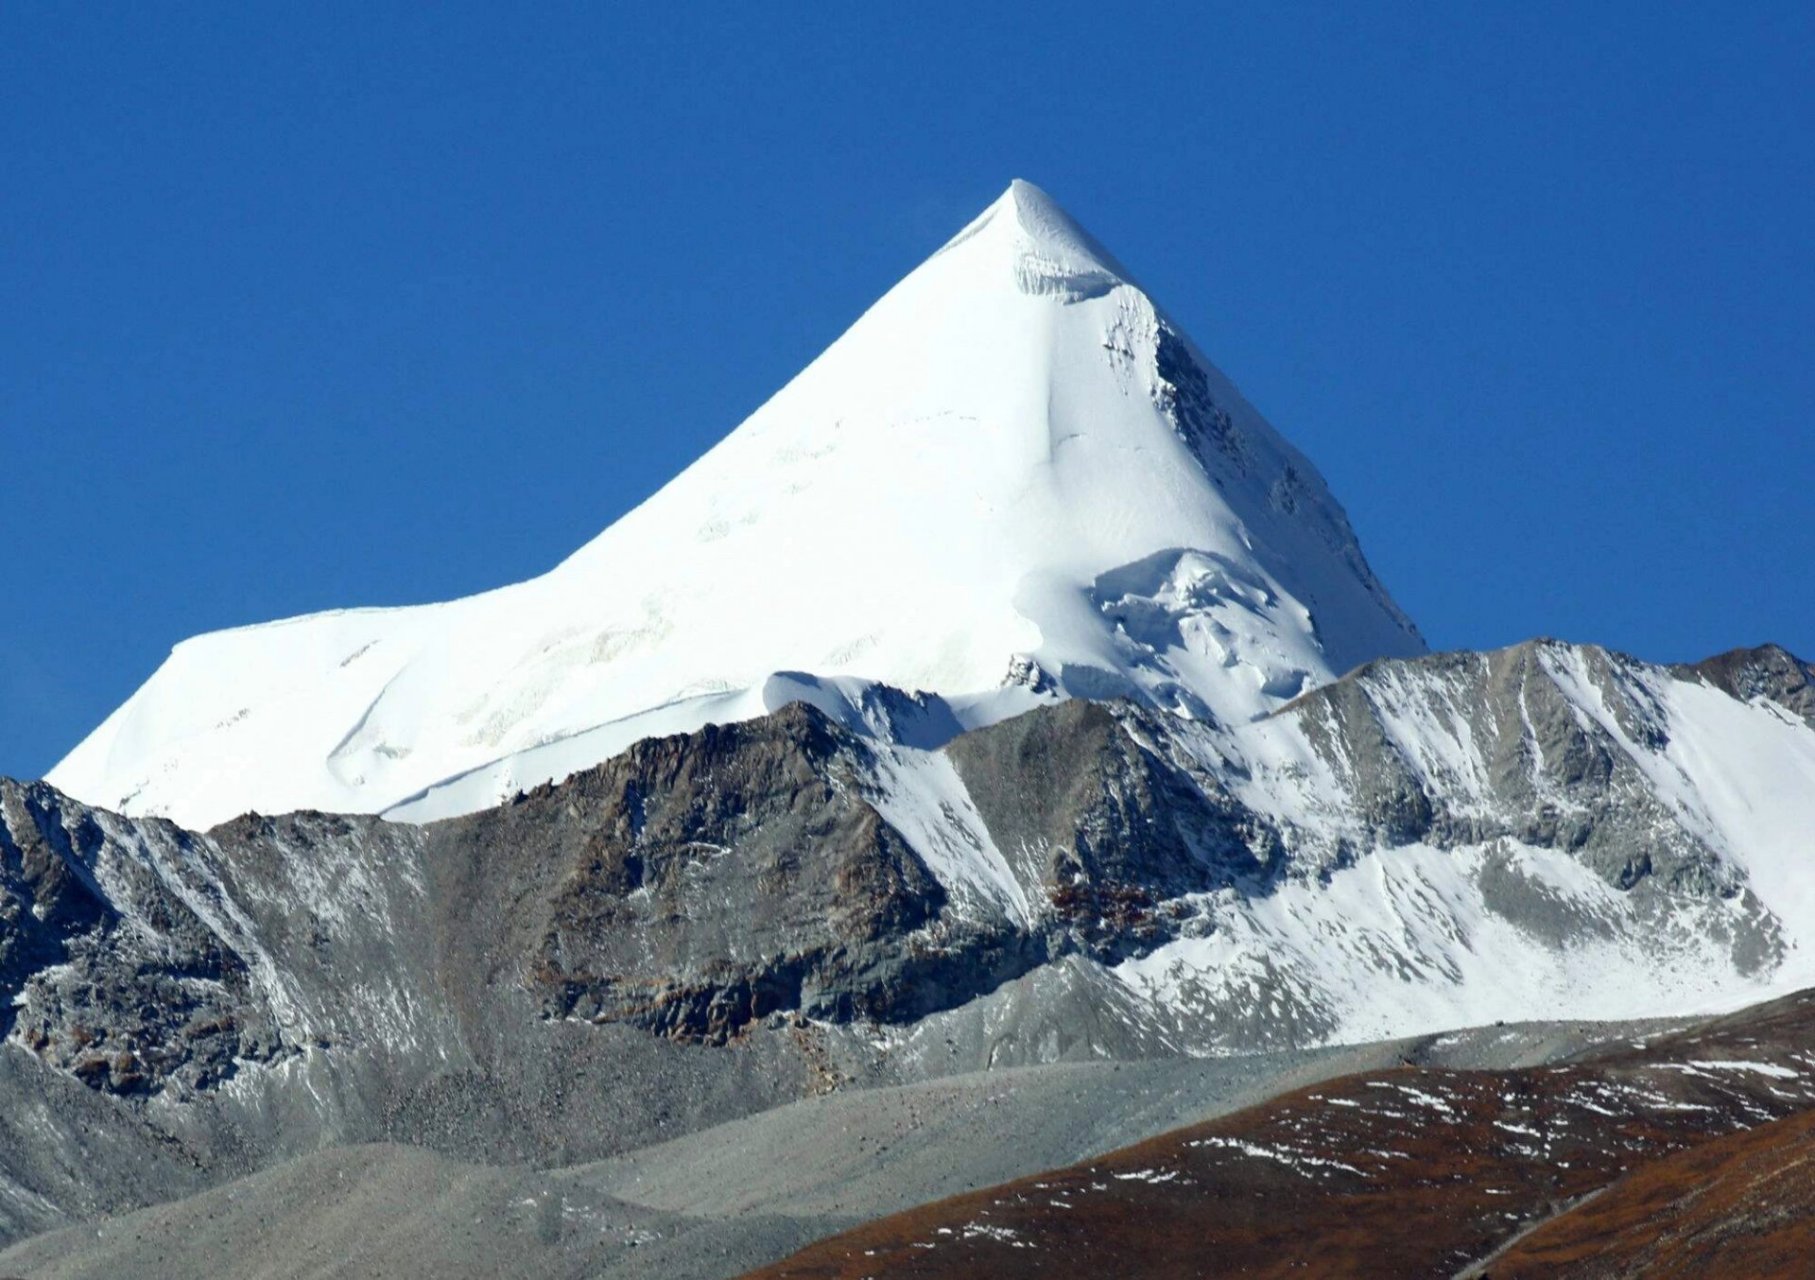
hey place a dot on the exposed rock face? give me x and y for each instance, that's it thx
(700, 884)
(712, 923)
(1463, 815)
(1103, 828)
(1532, 768)
(696, 884)
(113, 968)
(1769, 672)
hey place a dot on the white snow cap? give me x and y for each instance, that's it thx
(1012, 479)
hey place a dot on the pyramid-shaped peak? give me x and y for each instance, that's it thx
(1031, 202)
(1011, 479)
(1029, 228)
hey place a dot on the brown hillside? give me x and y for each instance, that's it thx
(1412, 1172)
(1743, 1205)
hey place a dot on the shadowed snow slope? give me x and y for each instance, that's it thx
(1012, 480)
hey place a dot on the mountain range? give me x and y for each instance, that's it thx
(1003, 701)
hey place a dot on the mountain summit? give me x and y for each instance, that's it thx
(1012, 480)
(1029, 630)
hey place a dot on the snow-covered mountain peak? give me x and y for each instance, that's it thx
(1012, 479)
(1038, 243)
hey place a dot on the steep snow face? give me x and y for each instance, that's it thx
(1013, 479)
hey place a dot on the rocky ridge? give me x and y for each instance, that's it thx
(713, 923)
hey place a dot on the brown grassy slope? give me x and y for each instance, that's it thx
(1411, 1172)
(1742, 1205)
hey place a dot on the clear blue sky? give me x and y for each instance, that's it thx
(371, 304)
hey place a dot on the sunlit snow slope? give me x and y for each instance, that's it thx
(1012, 479)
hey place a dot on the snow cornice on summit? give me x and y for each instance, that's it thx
(1013, 479)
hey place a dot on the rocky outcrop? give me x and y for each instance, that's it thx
(1770, 672)
(1105, 828)
(697, 884)
(701, 885)
(1467, 748)
(719, 921)
(111, 967)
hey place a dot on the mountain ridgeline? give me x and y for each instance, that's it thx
(1004, 700)
(1013, 462)
(716, 922)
